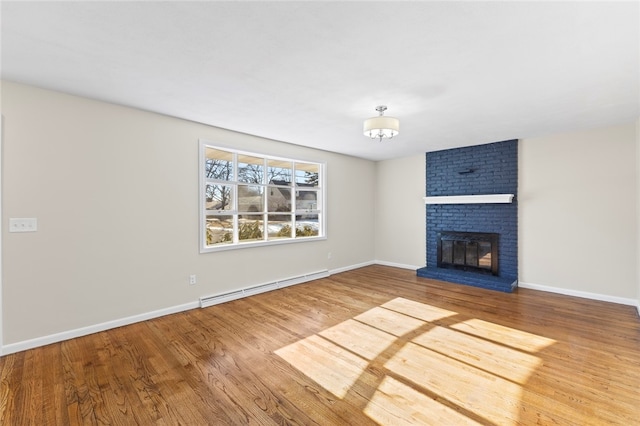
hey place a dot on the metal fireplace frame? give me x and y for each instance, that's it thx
(469, 239)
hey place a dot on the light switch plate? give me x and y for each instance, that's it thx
(23, 224)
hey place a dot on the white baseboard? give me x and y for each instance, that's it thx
(584, 294)
(373, 262)
(79, 332)
(351, 267)
(397, 265)
(215, 299)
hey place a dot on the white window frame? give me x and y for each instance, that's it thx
(320, 210)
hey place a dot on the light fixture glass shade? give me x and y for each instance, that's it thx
(381, 127)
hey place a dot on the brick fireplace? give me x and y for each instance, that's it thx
(472, 200)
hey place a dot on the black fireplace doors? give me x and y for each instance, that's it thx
(469, 251)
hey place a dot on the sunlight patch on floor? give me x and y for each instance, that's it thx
(469, 371)
(418, 310)
(505, 335)
(390, 321)
(361, 339)
(331, 366)
(500, 360)
(395, 403)
(482, 393)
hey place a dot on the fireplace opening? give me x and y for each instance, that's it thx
(469, 251)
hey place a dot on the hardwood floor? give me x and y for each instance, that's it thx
(376, 345)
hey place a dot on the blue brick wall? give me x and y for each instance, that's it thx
(495, 171)
(495, 168)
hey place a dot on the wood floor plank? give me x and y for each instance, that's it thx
(11, 378)
(376, 345)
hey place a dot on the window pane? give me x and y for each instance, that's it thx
(250, 227)
(307, 225)
(279, 226)
(278, 199)
(250, 169)
(218, 197)
(218, 164)
(219, 230)
(307, 174)
(279, 172)
(306, 200)
(250, 198)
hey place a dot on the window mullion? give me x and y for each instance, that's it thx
(235, 172)
(294, 208)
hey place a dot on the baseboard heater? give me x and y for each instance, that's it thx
(207, 301)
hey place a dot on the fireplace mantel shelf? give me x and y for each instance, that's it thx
(470, 199)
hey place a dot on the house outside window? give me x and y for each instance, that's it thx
(250, 199)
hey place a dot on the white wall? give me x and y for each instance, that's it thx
(638, 210)
(115, 192)
(400, 212)
(577, 212)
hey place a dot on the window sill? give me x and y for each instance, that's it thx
(253, 244)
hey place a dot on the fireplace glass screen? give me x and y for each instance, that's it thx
(472, 251)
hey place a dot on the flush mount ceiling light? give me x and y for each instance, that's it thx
(381, 127)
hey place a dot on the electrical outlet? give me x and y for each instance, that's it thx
(329, 255)
(192, 280)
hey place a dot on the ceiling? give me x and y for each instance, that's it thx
(309, 73)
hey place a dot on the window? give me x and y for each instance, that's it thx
(250, 199)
